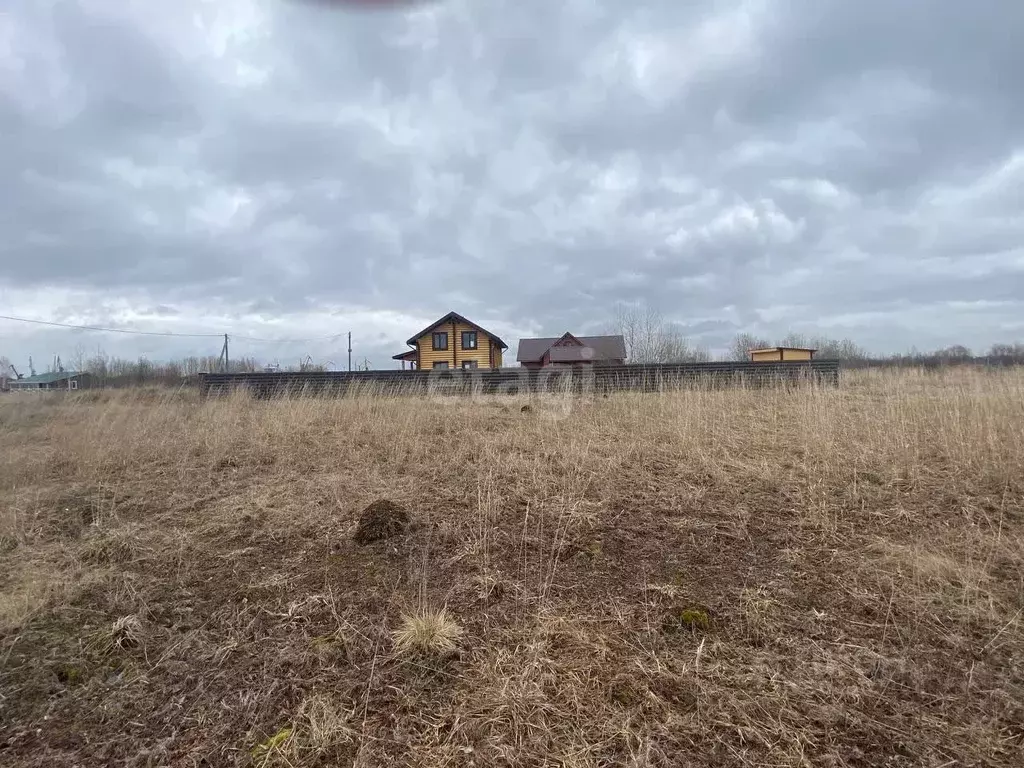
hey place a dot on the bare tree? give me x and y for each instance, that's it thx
(838, 349)
(1014, 350)
(699, 354)
(6, 372)
(741, 345)
(955, 352)
(793, 339)
(650, 338)
(77, 358)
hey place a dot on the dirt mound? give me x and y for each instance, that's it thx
(381, 520)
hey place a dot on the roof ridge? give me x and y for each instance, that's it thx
(453, 315)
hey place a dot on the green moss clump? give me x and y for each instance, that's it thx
(69, 674)
(589, 551)
(264, 750)
(332, 647)
(695, 619)
(688, 618)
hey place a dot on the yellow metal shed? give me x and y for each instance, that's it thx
(775, 354)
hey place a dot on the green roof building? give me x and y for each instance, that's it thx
(62, 380)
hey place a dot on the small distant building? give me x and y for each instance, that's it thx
(62, 380)
(776, 354)
(569, 350)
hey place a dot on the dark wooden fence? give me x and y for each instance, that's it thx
(936, 362)
(643, 378)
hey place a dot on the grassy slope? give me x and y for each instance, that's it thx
(734, 578)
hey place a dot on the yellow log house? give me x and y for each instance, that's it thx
(453, 342)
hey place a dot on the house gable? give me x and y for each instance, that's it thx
(568, 340)
(455, 317)
(454, 342)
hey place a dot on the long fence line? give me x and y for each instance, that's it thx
(641, 378)
(935, 362)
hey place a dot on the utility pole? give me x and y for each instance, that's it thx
(350, 350)
(224, 355)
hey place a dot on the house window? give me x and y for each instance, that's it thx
(441, 340)
(440, 363)
(74, 384)
(469, 339)
(468, 364)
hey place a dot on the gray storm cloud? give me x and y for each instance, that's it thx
(279, 169)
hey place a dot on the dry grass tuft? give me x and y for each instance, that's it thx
(322, 726)
(123, 634)
(18, 606)
(761, 612)
(427, 632)
(126, 632)
(115, 546)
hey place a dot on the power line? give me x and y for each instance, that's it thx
(288, 341)
(111, 330)
(167, 333)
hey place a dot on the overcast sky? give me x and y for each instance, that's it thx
(279, 169)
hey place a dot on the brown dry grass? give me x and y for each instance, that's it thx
(812, 577)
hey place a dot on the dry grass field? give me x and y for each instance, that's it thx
(808, 577)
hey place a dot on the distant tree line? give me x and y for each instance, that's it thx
(997, 354)
(650, 338)
(855, 356)
(120, 372)
(110, 371)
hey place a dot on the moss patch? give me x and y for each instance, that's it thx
(69, 674)
(687, 619)
(265, 750)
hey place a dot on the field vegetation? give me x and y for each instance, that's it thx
(826, 577)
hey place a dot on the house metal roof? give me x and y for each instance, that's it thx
(602, 347)
(46, 378)
(459, 319)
